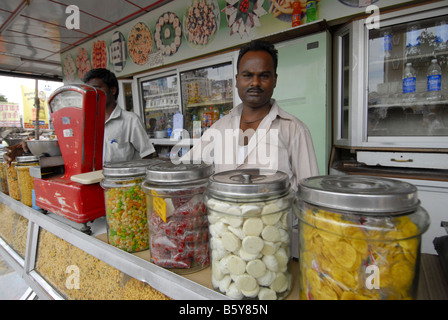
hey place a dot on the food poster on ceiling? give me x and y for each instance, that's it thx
(181, 30)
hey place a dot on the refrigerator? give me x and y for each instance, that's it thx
(304, 88)
(385, 97)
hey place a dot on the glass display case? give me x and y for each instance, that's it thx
(391, 82)
(188, 98)
(160, 101)
(207, 95)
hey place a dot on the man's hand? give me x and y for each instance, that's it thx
(15, 151)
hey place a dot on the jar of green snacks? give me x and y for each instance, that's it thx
(125, 202)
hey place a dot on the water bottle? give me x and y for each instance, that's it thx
(387, 43)
(409, 83)
(441, 37)
(434, 81)
(412, 42)
(169, 126)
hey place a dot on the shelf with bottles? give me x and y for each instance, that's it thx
(426, 85)
(416, 41)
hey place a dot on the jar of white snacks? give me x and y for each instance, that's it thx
(249, 214)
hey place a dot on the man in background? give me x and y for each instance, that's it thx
(125, 137)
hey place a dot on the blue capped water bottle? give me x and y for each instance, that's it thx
(434, 81)
(409, 83)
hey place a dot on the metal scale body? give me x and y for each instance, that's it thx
(78, 113)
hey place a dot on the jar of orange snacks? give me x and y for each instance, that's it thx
(359, 238)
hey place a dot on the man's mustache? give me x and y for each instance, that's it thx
(255, 89)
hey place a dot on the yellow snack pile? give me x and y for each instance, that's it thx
(336, 252)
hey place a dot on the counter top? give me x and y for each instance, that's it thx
(131, 275)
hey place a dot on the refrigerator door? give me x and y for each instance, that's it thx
(407, 79)
(161, 101)
(207, 95)
(303, 86)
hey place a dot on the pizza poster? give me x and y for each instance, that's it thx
(180, 30)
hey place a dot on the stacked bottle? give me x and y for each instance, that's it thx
(413, 42)
(409, 83)
(434, 81)
(311, 10)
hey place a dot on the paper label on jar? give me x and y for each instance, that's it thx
(159, 205)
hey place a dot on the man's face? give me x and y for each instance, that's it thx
(110, 92)
(256, 78)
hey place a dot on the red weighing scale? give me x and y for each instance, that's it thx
(78, 113)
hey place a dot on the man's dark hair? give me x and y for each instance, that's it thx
(259, 45)
(107, 76)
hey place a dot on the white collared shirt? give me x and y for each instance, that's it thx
(125, 138)
(281, 142)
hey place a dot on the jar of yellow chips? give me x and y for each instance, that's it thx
(25, 180)
(359, 238)
(13, 183)
(3, 177)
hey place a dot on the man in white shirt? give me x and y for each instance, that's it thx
(125, 138)
(258, 133)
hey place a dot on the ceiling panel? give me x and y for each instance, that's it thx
(10, 5)
(116, 9)
(3, 16)
(36, 30)
(32, 40)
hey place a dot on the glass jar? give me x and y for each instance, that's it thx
(125, 203)
(24, 179)
(177, 216)
(3, 177)
(249, 214)
(359, 238)
(13, 184)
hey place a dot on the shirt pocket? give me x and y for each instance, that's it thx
(120, 151)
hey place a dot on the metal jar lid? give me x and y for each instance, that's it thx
(248, 183)
(26, 159)
(132, 168)
(169, 173)
(364, 194)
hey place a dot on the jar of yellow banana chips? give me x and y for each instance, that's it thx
(359, 238)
